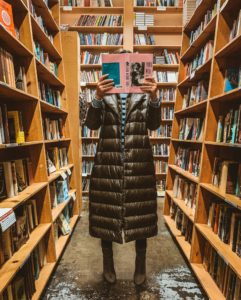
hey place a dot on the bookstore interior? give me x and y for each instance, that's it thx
(51, 54)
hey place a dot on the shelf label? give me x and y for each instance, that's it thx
(63, 175)
(67, 8)
(161, 8)
(74, 196)
(82, 83)
(69, 171)
(7, 218)
(142, 27)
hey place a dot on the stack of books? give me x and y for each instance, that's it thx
(167, 113)
(53, 128)
(160, 149)
(143, 19)
(90, 76)
(167, 94)
(89, 149)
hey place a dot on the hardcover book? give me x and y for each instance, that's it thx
(6, 16)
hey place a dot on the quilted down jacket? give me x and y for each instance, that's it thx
(122, 191)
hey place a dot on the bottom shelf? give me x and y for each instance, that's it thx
(202, 275)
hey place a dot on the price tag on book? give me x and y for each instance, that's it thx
(82, 83)
(67, 8)
(63, 175)
(161, 8)
(142, 28)
(69, 171)
(74, 196)
(7, 218)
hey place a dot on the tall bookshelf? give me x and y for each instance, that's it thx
(34, 109)
(167, 36)
(218, 102)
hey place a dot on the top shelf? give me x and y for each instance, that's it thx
(91, 10)
(159, 9)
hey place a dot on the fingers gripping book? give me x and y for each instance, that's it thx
(128, 71)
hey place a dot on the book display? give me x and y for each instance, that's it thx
(38, 179)
(143, 27)
(204, 175)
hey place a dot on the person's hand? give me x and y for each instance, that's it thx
(103, 86)
(150, 86)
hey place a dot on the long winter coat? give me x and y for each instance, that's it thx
(123, 191)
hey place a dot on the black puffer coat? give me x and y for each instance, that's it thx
(123, 192)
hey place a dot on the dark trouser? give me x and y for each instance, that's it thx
(140, 244)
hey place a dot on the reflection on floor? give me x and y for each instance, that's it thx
(79, 273)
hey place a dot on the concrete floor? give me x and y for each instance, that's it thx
(79, 273)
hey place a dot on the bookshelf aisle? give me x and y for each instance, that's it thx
(203, 200)
(154, 33)
(39, 198)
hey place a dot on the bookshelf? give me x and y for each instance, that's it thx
(32, 199)
(166, 36)
(213, 257)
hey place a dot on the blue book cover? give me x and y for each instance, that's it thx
(113, 69)
(231, 79)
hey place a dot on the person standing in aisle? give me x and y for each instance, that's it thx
(122, 193)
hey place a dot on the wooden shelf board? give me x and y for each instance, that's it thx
(47, 107)
(91, 10)
(230, 48)
(12, 44)
(203, 37)
(43, 279)
(161, 174)
(100, 48)
(231, 199)
(198, 107)
(184, 173)
(88, 156)
(45, 74)
(56, 211)
(57, 141)
(165, 66)
(164, 84)
(97, 29)
(15, 145)
(155, 47)
(233, 95)
(62, 241)
(229, 145)
(57, 173)
(184, 245)
(23, 196)
(181, 204)
(159, 10)
(186, 141)
(90, 138)
(159, 138)
(90, 66)
(44, 41)
(224, 250)
(8, 92)
(12, 266)
(160, 156)
(159, 29)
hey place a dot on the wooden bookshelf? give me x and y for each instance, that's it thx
(167, 36)
(217, 103)
(35, 147)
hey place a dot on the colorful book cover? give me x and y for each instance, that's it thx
(127, 70)
(6, 16)
(231, 79)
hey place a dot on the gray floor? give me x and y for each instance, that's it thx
(79, 273)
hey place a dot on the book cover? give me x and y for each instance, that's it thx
(127, 70)
(6, 16)
(231, 79)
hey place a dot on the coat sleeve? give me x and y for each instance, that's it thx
(153, 117)
(94, 117)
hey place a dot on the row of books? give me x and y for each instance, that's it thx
(87, 167)
(167, 94)
(87, 3)
(101, 38)
(236, 27)
(165, 76)
(167, 57)
(210, 13)
(226, 176)
(144, 39)
(85, 184)
(160, 166)
(86, 132)
(162, 131)
(226, 223)
(43, 57)
(182, 222)
(62, 224)
(98, 20)
(201, 58)
(188, 160)
(23, 285)
(49, 94)
(185, 190)
(57, 158)
(59, 191)
(53, 128)
(90, 58)
(229, 126)
(11, 126)
(222, 274)
(90, 76)
(161, 185)
(17, 234)
(195, 94)
(160, 149)
(88, 94)
(167, 113)
(11, 72)
(191, 129)
(143, 19)
(158, 3)
(15, 176)
(89, 148)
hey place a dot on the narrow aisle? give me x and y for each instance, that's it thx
(79, 273)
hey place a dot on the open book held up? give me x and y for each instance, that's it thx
(128, 70)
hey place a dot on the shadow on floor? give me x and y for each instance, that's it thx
(79, 273)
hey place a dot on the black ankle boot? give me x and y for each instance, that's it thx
(108, 264)
(140, 267)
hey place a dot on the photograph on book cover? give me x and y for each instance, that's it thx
(127, 70)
